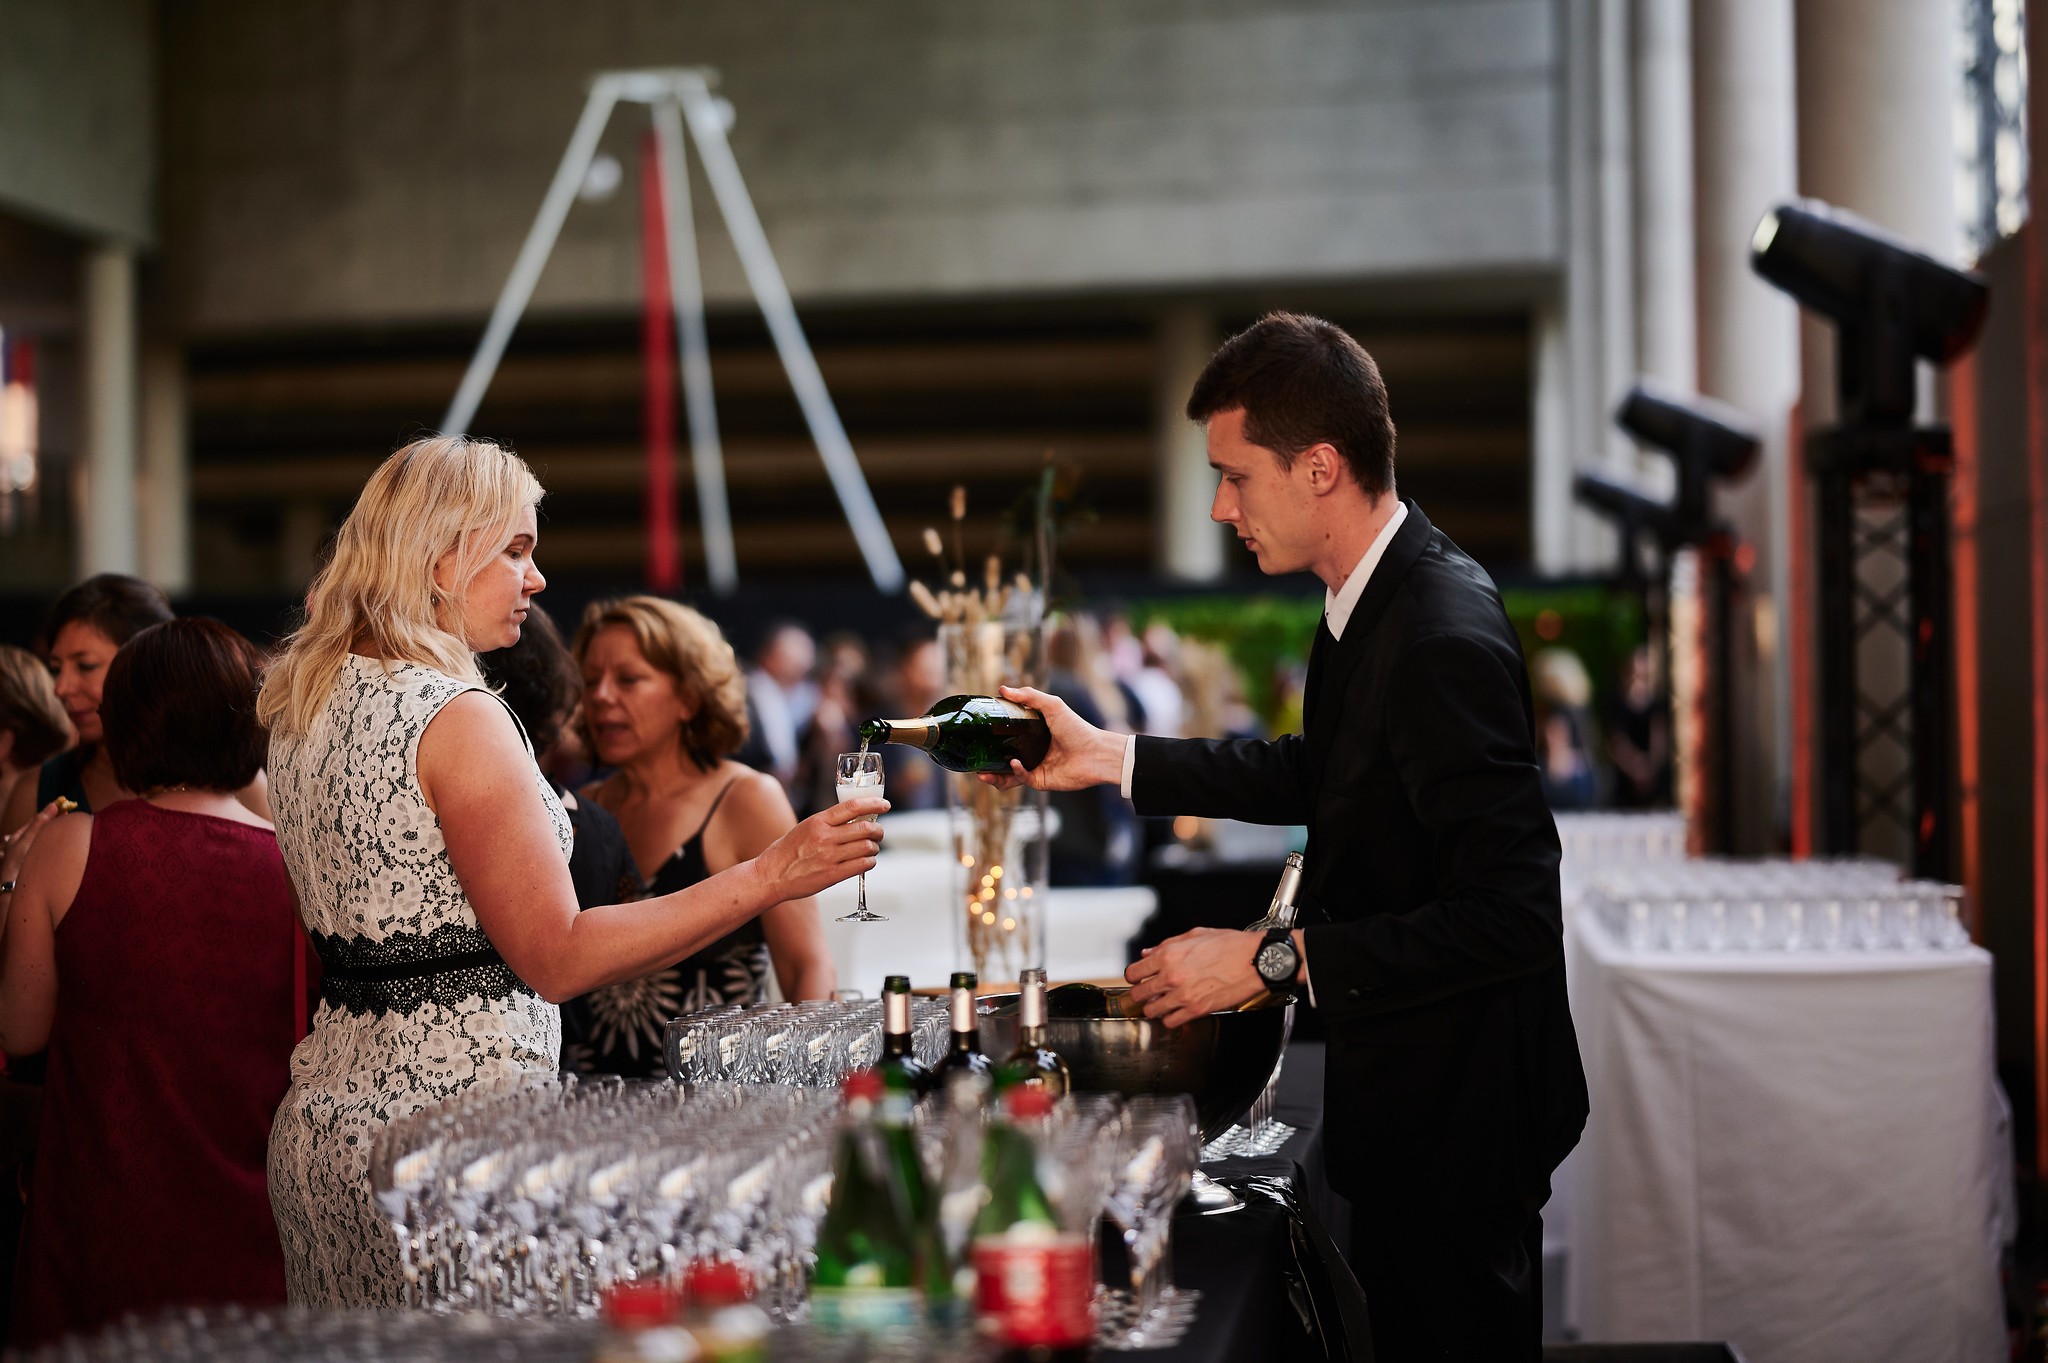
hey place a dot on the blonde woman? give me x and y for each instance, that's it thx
(665, 704)
(33, 725)
(430, 856)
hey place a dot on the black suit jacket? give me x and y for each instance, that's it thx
(1430, 902)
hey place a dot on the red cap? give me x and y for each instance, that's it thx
(1026, 1102)
(863, 1084)
(634, 1304)
(716, 1282)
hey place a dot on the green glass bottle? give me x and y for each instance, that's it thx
(1034, 1064)
(963, 1049)
(867, 1272)
(1034, 1278)
(969, 733)
(899, 1065)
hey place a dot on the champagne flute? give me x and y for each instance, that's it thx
(860, 774)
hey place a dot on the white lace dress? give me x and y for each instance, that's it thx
(415, 1003)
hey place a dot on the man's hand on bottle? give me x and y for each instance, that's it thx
(1081, 754)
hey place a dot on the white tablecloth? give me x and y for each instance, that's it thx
(1805, 1155)
(912, 886)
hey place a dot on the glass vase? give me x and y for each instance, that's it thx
(1001, 846)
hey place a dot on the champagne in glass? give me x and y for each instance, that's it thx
(860, 774)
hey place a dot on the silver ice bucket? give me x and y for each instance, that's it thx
(1222, 1060)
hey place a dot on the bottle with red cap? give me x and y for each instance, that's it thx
(640, 1327)
(1034, 1280)
(720, 1314)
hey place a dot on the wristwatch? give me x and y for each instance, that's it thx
(1277, 960)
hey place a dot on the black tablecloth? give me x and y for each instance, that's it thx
(1273, 1283)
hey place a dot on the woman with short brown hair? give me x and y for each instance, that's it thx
(665, 705)
(170, 1002)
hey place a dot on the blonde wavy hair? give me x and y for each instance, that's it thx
(377, 593)
(690, 649)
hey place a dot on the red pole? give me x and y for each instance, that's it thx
(1962, 408)
(657, 349)
(1798, 632)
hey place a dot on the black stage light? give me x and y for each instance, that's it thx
(1892, 302)
(1632, 512)
(1705, 439)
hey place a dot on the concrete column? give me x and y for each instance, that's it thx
(1598, 315)
(1667, 314)
(107, 528)
(1552, 516)
(166, 483)
(1191, 546)
(1744, 122)
(1876, 136)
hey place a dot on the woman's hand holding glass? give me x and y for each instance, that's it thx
(826, 848)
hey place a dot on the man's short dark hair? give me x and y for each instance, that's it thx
(1303, 381)
(179, 708)
(115, 604)
(539, 681)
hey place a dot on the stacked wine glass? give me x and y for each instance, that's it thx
(235, 1335)
(1600, 841)
(1822, 905)
(533, 1196)
(813, 1044)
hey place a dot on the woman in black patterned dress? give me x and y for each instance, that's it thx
(664, 704)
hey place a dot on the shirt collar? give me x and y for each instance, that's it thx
(1337, 606)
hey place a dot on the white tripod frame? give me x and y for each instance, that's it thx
(676, 96)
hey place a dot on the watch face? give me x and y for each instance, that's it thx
(1276, 961)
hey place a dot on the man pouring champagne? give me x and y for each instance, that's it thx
(1431, 937)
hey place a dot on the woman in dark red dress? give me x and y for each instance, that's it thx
(154, 944)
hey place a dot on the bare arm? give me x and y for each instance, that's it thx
(476, 776)
(28, 957)
(752, 817)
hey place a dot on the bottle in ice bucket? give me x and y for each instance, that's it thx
(963, 1050)
(1034, 1283)
(640, 1326)
(969, 733)
(1033, 1064)
(899, 1065)
(876, 1245)
(719, 1313)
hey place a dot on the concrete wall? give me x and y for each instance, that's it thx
(77, 105)
(379, 161)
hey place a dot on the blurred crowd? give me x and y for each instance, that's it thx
(1601, 753)
(806, 699)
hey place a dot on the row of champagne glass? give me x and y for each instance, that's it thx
(1846, 915)
(812, 1044)
(532, 1196)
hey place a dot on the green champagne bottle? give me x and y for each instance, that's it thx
(867, 1271)
(1034, 1064)
(969, 733)
(899, 1065)
(963, 1050)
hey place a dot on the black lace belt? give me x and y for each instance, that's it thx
(449, 965)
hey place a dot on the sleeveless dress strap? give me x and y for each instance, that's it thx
(716, 801)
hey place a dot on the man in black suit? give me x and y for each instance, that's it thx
(1431, 937)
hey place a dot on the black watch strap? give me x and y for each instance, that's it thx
(1272, 937)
